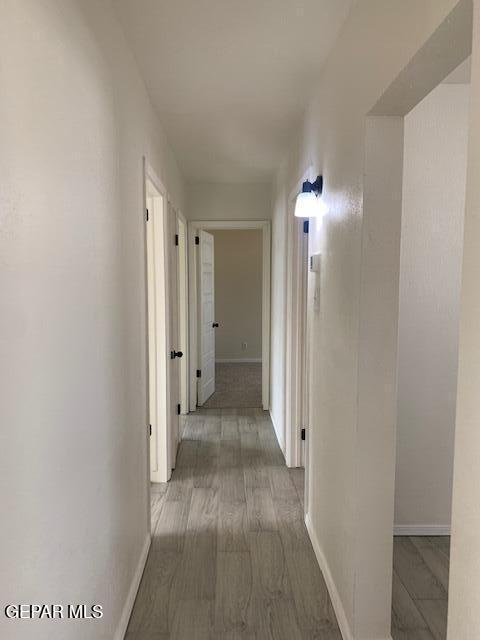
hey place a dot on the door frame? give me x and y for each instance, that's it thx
(297, 362)
(164, 423)
(194, 226)
(165, 426)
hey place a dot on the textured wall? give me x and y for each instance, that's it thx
(377, 42)
(223, 201)
(434, 175)
(75, 122)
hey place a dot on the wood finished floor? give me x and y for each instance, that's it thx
(420, 588)
(230, 556)
(237, 384)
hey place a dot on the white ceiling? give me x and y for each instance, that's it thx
(230, 78)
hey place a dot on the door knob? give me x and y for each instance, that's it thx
(176, 354)
(215, 325)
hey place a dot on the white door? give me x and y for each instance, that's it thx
(158, 363)
(206, 315)
(175, 353)
(183, 316)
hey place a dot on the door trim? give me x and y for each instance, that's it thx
(184, 302)
(193, 227)
(164, 425)
(296, 318)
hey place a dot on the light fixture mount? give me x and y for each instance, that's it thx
(316, 186)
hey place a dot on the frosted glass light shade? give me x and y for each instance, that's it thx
(308, 205)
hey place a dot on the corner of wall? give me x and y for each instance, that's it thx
(132, 592)
(329, 581)
(278, 433)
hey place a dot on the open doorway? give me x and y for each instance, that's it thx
(237, 319)
(434, 157)
(412, 245)
(230, 320)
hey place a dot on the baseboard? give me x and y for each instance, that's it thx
(332, 590)
(280, 444)
(421, 530)
(238, 360)
(342, 620)
(132, 593)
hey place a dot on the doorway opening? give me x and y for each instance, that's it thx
(229, 278)
(431, 247)
(412, 245)
(237, 319)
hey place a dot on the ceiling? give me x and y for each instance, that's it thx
(230, 78)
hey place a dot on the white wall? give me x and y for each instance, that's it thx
(434, 175)
(223, 201)
(238, 294)
(377, 42)
(75, 122)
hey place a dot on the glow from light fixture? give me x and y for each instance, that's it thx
(309, 203)
(306, 205)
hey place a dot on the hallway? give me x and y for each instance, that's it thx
(238, 239)
(230, 554)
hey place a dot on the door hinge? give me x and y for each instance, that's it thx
(197, 240)
(176, 239)
(179, 409)
(306, 225)
(146, 215)
(150, 426)
(303, 434)
(199, 373)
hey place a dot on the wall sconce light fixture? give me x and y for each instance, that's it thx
(309, 202)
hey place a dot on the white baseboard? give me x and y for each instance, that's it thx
(132, 593)
(421, 530)
(342, 620)
(237, 360)
(332, 590)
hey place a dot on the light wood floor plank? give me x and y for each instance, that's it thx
(260, 510)
(435, 559)
(157, 500)
(279, 621)
(233, 590)
(291, 526)
(282, 485)
(435, 613)
(151, 611)
(193, 620)
(169, 534)
(405, 614)
(414, 573)
(310, 595)
(418, 634)
(232, 526)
